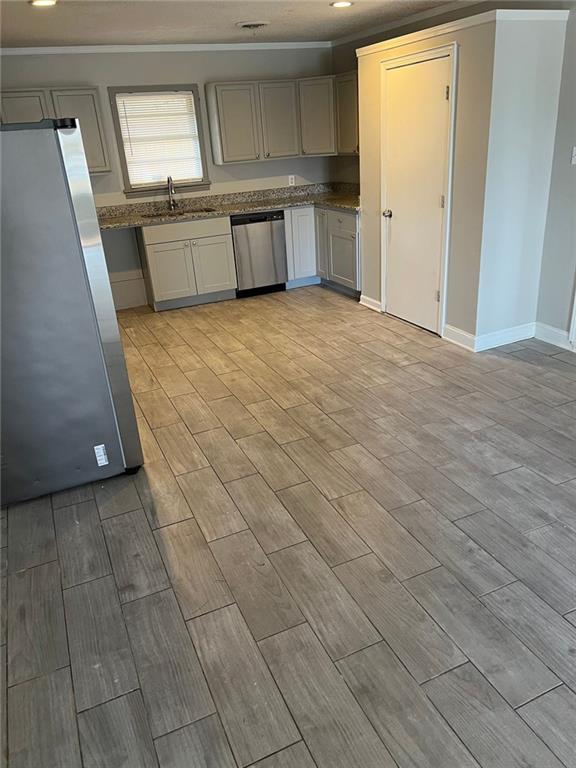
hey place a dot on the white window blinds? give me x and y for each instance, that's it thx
(160, 136)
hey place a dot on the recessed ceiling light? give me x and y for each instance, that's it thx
(341, 4)
(252, 24)
(43, 3)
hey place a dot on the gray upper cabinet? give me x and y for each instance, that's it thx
(347, 113)
(280, 124)
(27, 106)
(317, 116)
(83, 103)
(32, 105)
(272, 119)
(234, 122)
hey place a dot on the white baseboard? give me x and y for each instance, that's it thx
(366, 301)
(506, 336)
(461, 338)
(555, 336)
(489, 340)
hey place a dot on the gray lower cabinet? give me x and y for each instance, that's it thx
(32, 105)
(342, 258)
(300, 242)
(317, 116)
(321, 242)
(187, 260)
(347, 113)
(214, 267)
(171, 270)
(337, 253)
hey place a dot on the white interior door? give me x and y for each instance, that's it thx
(416, 124)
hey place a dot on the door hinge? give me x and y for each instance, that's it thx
(438, 296)
(442, 201)
(447, 92)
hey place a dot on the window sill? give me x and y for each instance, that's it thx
(155, 191)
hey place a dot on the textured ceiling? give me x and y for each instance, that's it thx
(116, 22)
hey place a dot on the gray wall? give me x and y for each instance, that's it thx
(558, 273)
(104, 69)
(525, 96)
(475, 60)
(558, 277)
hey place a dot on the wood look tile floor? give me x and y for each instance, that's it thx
(352, 545)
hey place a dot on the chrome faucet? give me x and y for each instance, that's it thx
(172, 204)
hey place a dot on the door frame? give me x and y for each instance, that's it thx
(449, 51)
(572, 329)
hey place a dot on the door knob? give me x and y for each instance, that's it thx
(387, 213)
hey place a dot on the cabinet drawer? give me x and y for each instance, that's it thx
(186, 230)
(343, 222)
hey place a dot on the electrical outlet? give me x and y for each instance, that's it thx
(291, 181)
(573, 155)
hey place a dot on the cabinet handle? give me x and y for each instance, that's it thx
(267, 154)
(193, 242)
(257, 155)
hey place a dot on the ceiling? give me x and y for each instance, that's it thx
(125, 22)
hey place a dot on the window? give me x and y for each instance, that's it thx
(159, 135)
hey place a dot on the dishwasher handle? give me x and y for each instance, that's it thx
(256, 218)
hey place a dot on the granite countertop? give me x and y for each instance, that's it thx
(337, 196)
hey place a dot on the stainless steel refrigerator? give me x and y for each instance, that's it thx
(67, 412)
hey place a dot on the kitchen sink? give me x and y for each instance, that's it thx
(178, 213)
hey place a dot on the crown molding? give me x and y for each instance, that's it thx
(159, 48)
(469, 21)
(404, 22)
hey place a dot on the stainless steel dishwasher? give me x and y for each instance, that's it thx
(260, 251)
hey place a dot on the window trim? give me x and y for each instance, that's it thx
(131, 191)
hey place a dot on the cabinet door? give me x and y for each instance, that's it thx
(84, 104)
(280, 125)
(317, 116)
(347, 113)
(303, 242)
(25, 106)
(321, 243)
(238, 121)
(214, 265)
(171, 270)
(342, 252)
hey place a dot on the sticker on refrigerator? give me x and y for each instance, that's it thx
(101, 455)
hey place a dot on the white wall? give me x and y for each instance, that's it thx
(558, 279)
(152, 68)
(525, 90)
